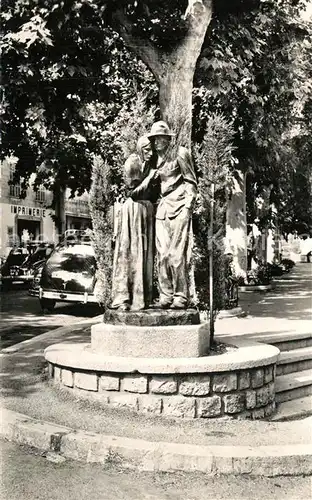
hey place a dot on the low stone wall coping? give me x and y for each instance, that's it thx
(256, 288)
(250, 354)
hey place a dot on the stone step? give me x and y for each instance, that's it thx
(294, 360)
(293, 386)
(287, 341)
(293, 409)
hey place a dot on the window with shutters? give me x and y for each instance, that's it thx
(41, 194)
(14, 189)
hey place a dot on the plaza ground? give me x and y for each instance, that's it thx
(25, 390)
(28, 474)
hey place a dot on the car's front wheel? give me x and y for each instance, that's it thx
(47, 304)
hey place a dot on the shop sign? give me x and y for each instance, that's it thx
(31, 211)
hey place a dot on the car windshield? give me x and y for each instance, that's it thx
(73, 258)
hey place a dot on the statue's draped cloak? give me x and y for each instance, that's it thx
(134, 241)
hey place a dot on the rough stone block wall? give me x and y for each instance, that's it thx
(239, 394)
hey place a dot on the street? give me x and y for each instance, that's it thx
(22, 318)
(30, 475)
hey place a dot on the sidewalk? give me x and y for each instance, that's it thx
(285, 308)
(172, 445)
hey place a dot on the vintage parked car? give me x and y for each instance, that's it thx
(37, 257)
(21, 262)
(69, 273)
(10, 270)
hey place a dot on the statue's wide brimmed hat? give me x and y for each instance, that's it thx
(160, 128)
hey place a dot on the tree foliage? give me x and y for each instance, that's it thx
(155, 21)
(256, 68)
(101, 203)
(296, 205)
(66, 77)
(214, 159)
(59, 62)
(67, 73)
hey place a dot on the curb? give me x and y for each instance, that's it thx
(235, 312)
(70, 328)
(288, 460)
(257, 288)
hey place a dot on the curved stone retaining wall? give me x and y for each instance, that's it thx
(208, 387)
(242, 394)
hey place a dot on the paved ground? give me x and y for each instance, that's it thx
(24, 388)
(22, 318)
(286, 308)
(28, 475)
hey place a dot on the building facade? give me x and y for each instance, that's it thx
(30, 218)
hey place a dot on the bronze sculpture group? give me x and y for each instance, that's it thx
(141, 228)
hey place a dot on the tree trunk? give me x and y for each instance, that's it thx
(176, 80)
(60, 211)
(236, 224)
(173, 71)
(270, 251)
(175, 100)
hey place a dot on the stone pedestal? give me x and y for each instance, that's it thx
(152, 333)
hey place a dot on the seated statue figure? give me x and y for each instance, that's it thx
(132, 282)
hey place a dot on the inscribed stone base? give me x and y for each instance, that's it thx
(180, 341)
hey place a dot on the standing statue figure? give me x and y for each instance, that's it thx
(173, 218)
(133, 258)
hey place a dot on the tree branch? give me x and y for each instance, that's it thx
(144, 49)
